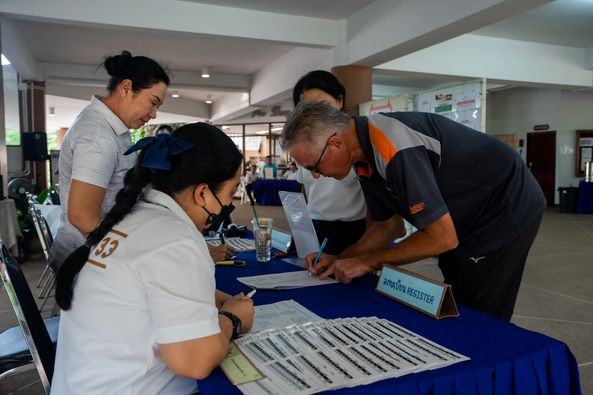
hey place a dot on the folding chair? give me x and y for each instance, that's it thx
(48, 277)
(35, 334)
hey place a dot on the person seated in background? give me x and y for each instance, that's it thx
(140, 309)
(269, 171)
(291, 172)
(166, 129)
(250, 177)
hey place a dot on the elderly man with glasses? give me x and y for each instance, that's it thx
(475, 204)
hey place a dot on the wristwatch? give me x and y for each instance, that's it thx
(236, 323)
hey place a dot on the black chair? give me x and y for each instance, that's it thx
(34, 331)
(48, 277)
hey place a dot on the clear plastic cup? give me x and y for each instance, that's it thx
(262, 233)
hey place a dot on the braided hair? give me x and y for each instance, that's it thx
(213, 160)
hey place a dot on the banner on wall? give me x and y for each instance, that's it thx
(388, 104)
(462, 103)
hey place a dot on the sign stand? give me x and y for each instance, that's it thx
(424, 294)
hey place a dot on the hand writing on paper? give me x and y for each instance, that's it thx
(322, 264)
(344, 270)
(242, 308)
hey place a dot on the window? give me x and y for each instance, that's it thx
(11, 103)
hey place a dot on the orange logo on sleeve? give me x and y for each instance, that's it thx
(415, 209)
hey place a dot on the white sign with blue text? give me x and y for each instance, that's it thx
(431, 297)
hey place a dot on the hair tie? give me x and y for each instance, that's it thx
(159, 149)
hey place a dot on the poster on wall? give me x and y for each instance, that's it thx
(388, 104)
(462, 103)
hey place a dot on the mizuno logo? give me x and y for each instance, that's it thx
(476, 259)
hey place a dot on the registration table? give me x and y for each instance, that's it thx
(266, 191)
(505, 359)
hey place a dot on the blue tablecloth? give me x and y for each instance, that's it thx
(505, 359)
(585, 202)
(266, 191)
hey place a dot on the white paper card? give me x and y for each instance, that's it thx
(300, 222)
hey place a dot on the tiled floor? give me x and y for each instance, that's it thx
(556, 295)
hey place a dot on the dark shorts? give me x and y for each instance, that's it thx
(340, 234)
(490, 283)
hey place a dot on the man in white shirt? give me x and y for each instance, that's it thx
(250, 178)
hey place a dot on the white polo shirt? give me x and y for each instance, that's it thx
(150, 281)
(329, 199)
(92, 152)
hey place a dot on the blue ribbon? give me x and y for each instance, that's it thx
(159, 149)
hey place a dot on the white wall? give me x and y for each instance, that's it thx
(517, 110)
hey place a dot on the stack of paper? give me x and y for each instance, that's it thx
(331, 354)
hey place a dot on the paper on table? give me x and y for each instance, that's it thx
(287, 280)
(300, 222)
(281, 314)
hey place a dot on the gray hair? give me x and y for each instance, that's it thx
(313, 123)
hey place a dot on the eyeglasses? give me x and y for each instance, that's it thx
(313, 169)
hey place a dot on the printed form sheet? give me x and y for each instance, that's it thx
(286, 280)
(331, 354)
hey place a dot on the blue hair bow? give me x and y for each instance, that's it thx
(159, 149)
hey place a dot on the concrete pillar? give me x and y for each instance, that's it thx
(33, 120)
(358, 83)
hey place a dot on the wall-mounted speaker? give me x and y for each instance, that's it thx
(34, 146)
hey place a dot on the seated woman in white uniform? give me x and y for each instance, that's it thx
(141, 313)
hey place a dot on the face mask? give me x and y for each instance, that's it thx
(215, 220)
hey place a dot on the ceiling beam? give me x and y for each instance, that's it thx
(387, 30)
(18, 52)
(181, 16)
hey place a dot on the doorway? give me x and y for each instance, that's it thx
(541, 160)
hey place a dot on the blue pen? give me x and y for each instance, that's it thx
(319, 253)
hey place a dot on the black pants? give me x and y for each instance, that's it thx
(490, 283)
(340, 234)
(249, 190)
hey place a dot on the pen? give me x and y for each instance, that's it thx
(319, 253)
(221, 238)
(250, 294)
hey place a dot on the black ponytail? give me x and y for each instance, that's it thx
(213, 160)
(134, 181)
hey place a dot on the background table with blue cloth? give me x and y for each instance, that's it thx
(505, 359)
(266, 191)
(585, 201)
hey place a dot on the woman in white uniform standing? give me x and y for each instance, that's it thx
(92, 164)
(141, 313)
(337, 207)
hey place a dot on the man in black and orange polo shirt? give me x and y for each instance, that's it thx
(475, 204)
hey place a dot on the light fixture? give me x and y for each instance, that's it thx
(175, 95)
(208, 99)
(52, 111)
(205, 73)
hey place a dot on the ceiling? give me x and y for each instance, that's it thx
(565, 23)
(562, 22)
(330, 9)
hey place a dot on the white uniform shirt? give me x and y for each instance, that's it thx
(92, 152)
(329, 199)
(150, 282)
(289, 175)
